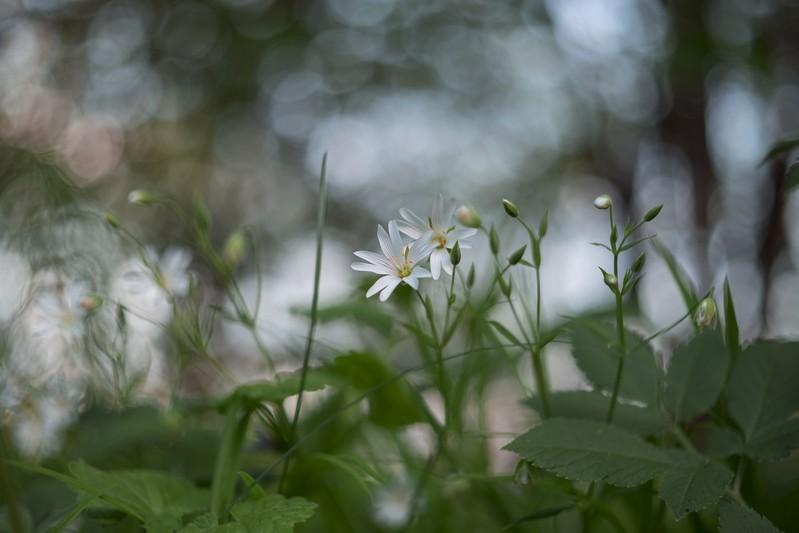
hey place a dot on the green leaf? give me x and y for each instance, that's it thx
(159, 499)
(360, 471)
(683, 281)
(762, 396)
(505, 332)
(692, 485)
(256, 492)
(390, 403)
(208, 523)
(791, 178)
(736, 519)
(583, 450)
(731, 334)
(593, 348)
(775, 441)
(273, 514)
(781, 146)
(696, 376)
(592, 405)
(724, 441)
(284, 385)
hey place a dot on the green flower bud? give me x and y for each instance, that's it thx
(603, 202)
(493, 240)
(235, 248)
(543, 225)
(614, 234)
(112, 220)
(505, 286)
(510, 208)
(705, 314)
(652, 213)
(141, 197)
(455, 254)
(467, 216)
(516, 256)
(470, 277)
(638, 264)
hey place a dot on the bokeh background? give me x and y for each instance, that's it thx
(546, 102)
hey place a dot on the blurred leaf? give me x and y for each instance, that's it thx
(597, 356)
(592, 405)
(539, 515)
(390, 403)
(6, 523)
(781, 146)
(358, 469)
(775, 441)
(731, 334)
(692, 485)
(256, 492)
(791, 178)
(762, 394)
(736, 519)
(159, 499)
(695, 376)
(285, 385)
(273, 514)
(583, 450)
(505, 332)
(683, 281)
(365, 312)
(724, 441)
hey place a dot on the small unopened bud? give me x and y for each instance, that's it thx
(455, 254)
(235, 248)
(505, 286)
(112, 220)
(510, 208)
(614, 234)
(516, 256)
(493, 240)
(543, 225)
(467, 216)
(652, 213)
(141, 197)
(611, 281)
(705, 314)
(603, 202)
(91, 303)
(470, 277)
(638, 264)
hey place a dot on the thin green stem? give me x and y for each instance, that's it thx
(320, 233)
(9, 494)
(619, 324)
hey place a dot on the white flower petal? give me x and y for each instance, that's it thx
(435, 264)
(396, 240)
(448, 211)
(420, 272)
(414, 221)
(381, 284)
(413, 281)
(389, 288)
(375, 259)
(412, 231)
(446, 263)
(385, 242)
(377, 269)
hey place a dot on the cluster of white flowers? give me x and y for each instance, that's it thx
(61, 337)
(400, 261)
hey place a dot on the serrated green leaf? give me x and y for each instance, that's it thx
(208, 523)
(692, 485)
(762, 394)
(773, 442)
(159, 499)
(597, 356)
(695, 376)
(591, 405)
(736, 519)
(724, 441)
(391, 404)
(273, 514)
(584, 450)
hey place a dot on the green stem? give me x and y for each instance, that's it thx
(619, 328)
(9, 494)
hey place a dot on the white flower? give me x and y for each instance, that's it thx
(59, 313)
(393, 504)
(398, 264)
(442, 234)
(168, 274)
(603, 201)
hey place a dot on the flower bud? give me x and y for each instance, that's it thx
(141, 197)
(466, 215)
(516, 256)
(493, 240)
(91, 303)
(455, 254)
(112, 220)
(611, 281)
(505, 286)
(652, 213)
(510, 208)
(543, 225)
(603, 202)
(705, 314)
(470, 277)
(638, 264)
(235, 248)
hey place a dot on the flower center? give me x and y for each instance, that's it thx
(440, 239)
